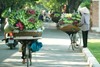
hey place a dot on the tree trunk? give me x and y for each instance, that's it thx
(73, 5)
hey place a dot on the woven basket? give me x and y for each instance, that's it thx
(55, 19)
(69, 28)
(27, 33)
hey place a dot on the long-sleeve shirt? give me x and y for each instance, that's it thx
(85, 21)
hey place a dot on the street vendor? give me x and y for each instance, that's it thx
(85, 24)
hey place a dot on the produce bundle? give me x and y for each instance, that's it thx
(55, 16)
(69, 22)
(70, 19)
(24, 18)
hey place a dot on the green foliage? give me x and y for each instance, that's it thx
(70, 19)
(56, 15)
(28, 17)
(51, 4)
(57, 4)
(14, 4)
(61, 1)
(86, 4)
(5, 13)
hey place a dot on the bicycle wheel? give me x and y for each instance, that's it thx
(78, 39)
(75, 41)
(27, 55)
(30, 56)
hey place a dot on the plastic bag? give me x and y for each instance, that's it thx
(36, 46)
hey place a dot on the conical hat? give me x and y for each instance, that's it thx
(83, 10)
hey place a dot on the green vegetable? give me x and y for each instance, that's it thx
(70, 20)
(24, 17)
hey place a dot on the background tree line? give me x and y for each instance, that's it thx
(14, 4)
(55, 5)
(71, 5)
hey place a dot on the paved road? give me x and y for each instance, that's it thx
(55, 52)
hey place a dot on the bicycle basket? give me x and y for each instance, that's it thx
(27, 33)
(69, 28)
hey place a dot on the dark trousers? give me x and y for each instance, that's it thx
(85, 38)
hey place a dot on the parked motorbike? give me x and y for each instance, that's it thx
(9, 40)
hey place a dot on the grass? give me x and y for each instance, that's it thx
(94, 47)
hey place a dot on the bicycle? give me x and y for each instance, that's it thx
(73, 31)
(26, 51)
(75, 38)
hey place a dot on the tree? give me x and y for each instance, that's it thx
(51, 4)
(57, 4)
(86, 3)
(73, 5)
(14, 4)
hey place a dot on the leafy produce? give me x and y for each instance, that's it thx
(69, 23)
(55, 16)
(70, 19)
(25, 18)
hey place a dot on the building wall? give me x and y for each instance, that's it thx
(95, 14)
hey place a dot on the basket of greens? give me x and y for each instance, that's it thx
(69, 22)
(25, 21)
(55, 17)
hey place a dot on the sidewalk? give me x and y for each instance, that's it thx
(57, 51)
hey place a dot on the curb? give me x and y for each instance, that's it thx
(90, 58)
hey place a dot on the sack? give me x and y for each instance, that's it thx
(8, 27)
(36, 46)
(20, 48)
